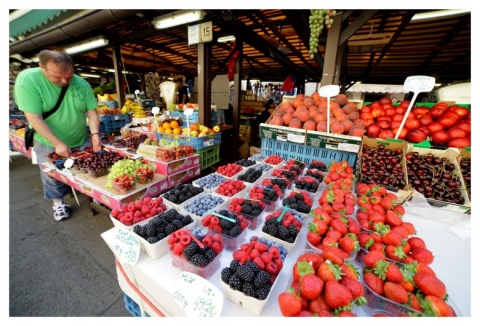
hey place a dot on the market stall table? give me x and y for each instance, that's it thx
(155, 279)
(18, 144)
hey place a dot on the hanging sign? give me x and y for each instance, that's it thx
(197, 296)
(200, 33)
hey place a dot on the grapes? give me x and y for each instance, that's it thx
(126, 166)
(319, 19)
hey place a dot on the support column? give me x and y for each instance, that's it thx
(331, 51)
(204, 84)
(118, 66)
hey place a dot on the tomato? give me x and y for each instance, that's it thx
(400, 109)
(412, 123)
(396, 124)
(384, 117)
(435, 126)
(397, 117)
(403, 132)
(384, 124)
(387, 133)
(366, 109)
(389, 111)
(464, 125)
(416, 135)
(435, 112)
(378, 111)
(425, 120)
(461, 111)
(386, 100)
(425, 130)
(456, 132)
(420, 110)
(459, 142)
(440, 136)
(373, 130)
(405, 104)
(447, 120)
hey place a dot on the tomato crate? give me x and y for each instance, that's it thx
(304, 153)
(209, 156)
(197, 143)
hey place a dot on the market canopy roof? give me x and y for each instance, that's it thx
(28, 20)
(377, 88)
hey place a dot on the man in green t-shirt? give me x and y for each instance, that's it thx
(36, 91)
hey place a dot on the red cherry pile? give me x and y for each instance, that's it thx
(139, 210)
(273, 159)
(229, 187)
(230, 169)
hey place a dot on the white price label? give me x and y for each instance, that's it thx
(329, 90)
(418, 84)
(126, 247)
(197, 296)
(155, 110)
(68, 163)
(188, 112)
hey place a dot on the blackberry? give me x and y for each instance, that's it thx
(161, 235)
(190, 250)
(199, 260)
(173, 199)
(246, 273)
(170, 215)
(234, 264)
(235, 282)
(158, 222)
(152, 239)
(303, 208)
(136, 229)
(226, 274)
(226, 225)
(178, 223)
(179, 185)
(261, 279)
(182, 198)
(256, 212)
(141, 231)
(210, 255)
(177, 192)
(299, 197)
(170, 228)
(248, 289)
(253, 266)
(282, 232)
(294, 206)
(235, 231)
(150, 230)
(270, 229)
(247, 209)
(187, 219)
(292, 229)
(262, 293)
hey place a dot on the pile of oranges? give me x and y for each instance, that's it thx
(171, 127)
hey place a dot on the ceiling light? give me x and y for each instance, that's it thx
(179, 17)
(439, 13)
(226, 38)
(87, 45)
(90, 75)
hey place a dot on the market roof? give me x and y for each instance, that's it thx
(382, 46)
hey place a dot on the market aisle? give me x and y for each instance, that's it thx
(57, 268)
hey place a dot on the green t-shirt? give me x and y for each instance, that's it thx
(34, 93)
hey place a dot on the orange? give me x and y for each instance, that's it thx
(177, 131)
(168, 130)
(166, 125)
(161, 129)
(174, 124)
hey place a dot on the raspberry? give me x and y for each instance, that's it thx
(254, 253)
(115, 212)
(208, 240)
(217, 237)
(260, 246)
(178, 248)
(259, 262)
(238, 254)
(267, 257)
(279, 262)
(274, 252)
(271, 268)
(217, 247)
(216, 228)
(185, 240)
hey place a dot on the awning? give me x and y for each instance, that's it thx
(31, 19)
(377, 88)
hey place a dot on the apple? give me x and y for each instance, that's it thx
(194, 133)
(216, 128)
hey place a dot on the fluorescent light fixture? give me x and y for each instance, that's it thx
(438, 84)
(87, 45)
(90, 75)
(439, 14)
(226, 38)
(179, 17)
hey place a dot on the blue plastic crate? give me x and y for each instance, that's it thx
(133, 307)
(113, 122)
(193, 118)
(304, 153)
(196, 142)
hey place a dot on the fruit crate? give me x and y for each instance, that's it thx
(113, 122)
(209, 156)
(133, 307)
(304, 153)
(197, 143)
(193, 118)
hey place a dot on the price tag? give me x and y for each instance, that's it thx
(68, 163)
(197, 296)
(418, 84)
(329, 90)
(155, 110)
(126, 247)
(188, 112)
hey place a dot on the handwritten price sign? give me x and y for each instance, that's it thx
(418, 84)
(197, 296)
(126, 247)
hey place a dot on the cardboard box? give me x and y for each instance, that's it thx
(404, 193)
(184, 175)
(452, 155)
(245, 132)
(177, 166)
(255, 150)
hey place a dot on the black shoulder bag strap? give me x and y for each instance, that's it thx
(45, 115)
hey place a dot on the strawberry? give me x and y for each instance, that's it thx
(337, 295)
(395, 292)
(422, 255)
(318, 305)
(430, 285)
(416, 242)
(311, 286)
(290, 304)
(395, 253)
(349, 243)
(347, 313)
(392, 238)
(305, 313)
(410, 227)
(414, 303)
(434, 306)
(349, 270)
(374, 282)
(335, 254)
(353, 227)
(392, 218)
(333, 234)
(388, 271)
(314, 258)
(301, 268)
(318, 226)
(354, 286)
(328, 271)
(314, 239)
(339, 225)
(370, 259)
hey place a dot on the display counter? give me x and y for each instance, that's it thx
(18, 144)
(154, 281)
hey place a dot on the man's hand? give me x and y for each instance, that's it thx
(63, 150)
(96, 143)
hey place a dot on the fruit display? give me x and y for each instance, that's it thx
(320, 287)
(229, 187)
(167, 154)
(442, 124)
(124, 183)
(230, 169)
(134, 108)
(209, 182)
(97, 164)
(383, 166)
(250, 209)
(181, 192)
(139, 210)
(301, 201)
(284, 225)
(131, 142)
(287, 174)
(318, 20)
(273, 159)
(162, 225)
(251, 174)
(131, 167)
(340, 175)
(311, 113)
(268, 193)
(200, 205)
(229, 224)
(307, 183)
(314, 173)
(435, 177)
(258, 157)
(465, 168)
(318, 165)
(339, 201)
(246, 162)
